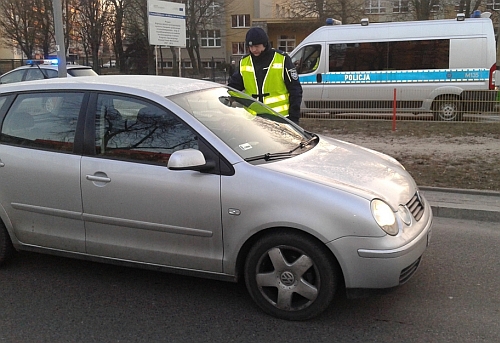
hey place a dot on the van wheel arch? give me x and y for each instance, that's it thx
(447, 107)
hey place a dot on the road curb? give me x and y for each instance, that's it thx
(464, 213)
(469, 204)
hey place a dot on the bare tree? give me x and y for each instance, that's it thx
(71, 27)
(93, 15)
(201, 15)
(347, 11)
(139, 54)
(43, 15)
(17, 25)
(117, 29)
(467, 7)
(423, 8)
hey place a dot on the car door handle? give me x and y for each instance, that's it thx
(96, 178)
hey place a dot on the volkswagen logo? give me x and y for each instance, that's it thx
(287, 278)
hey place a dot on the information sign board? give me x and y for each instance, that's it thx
(167, 23)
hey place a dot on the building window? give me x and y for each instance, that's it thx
(165, 64)
(213, 9)
(240, 20)
(435, 8)
(374, 7)
(400, 6)
(239, 48)
(286, 43)
(210, 38)
(211, 64)
(493, 5)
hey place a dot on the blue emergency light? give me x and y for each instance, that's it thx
(46, 62)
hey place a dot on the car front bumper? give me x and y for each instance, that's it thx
(367, 268)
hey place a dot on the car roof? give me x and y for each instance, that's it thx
(52, 66)
(160, 85)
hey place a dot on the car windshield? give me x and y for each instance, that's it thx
(251, 129)
(81, 72)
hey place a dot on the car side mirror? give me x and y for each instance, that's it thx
(189, 159)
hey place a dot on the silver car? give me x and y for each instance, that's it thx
(193, 177)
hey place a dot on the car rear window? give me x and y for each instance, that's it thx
(82, 72)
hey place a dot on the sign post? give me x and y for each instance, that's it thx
(167, 25)
(59, 33)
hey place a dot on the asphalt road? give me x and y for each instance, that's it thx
(453, 297)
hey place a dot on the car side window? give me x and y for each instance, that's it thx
(43, 120)
(36, 74)
(15, 76)
(138, 131)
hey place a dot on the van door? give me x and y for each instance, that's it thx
(310, 63)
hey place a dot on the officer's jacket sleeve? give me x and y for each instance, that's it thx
(236, 80)
(294, 89)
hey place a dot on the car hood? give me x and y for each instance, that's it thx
(353, 169)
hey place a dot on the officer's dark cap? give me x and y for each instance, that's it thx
(255, 36)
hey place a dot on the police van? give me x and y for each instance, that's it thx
(444, 67)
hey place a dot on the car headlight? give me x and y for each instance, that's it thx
(404, 214)
(384, 216)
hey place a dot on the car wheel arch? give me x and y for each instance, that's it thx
(250, 241)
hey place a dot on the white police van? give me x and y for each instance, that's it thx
(441, 66)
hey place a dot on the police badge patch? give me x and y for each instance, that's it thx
(293, 74)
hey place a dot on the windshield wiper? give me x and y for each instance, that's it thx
(279, 155)
(303, 144)
(45, 76)
(270, 156)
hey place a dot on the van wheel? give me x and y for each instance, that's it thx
(447, 108)
(291, 276)
(6, 248)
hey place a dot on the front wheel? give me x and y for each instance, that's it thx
(291, 276)
(447, 108)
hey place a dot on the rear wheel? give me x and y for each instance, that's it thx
(447, 108)
(6, 248)
(291, 276)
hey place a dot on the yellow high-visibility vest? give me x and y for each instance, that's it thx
(275, 94)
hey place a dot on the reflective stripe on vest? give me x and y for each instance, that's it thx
(274, 91)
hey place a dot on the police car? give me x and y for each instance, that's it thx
(43, 69)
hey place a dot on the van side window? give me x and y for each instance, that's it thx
(137, 131)
(43, 121)
(400, 55)
(307, 59)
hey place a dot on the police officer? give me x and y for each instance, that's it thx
(269, 76)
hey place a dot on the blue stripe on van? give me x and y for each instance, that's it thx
(401, 76)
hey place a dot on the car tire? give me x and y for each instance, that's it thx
(6, 248)
(447, 108)
(291, 275)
